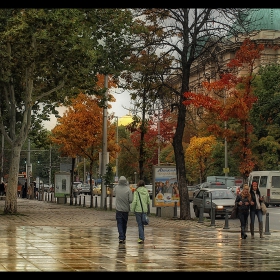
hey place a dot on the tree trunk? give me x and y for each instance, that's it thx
(11, 191)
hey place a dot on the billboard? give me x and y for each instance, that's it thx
(166, 189)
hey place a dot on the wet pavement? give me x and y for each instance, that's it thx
(46, 236)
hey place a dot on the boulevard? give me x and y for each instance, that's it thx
(274, 213)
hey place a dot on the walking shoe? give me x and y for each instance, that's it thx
(121, 241)
(140, 241)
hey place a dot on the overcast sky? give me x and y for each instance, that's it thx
(120, 107)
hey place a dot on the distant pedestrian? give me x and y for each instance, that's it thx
(242, 202)
(255, 208)
(140, 192)
(123, 199)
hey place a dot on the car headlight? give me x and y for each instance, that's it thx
(219, 207)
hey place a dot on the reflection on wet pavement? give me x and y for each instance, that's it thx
(59, 243)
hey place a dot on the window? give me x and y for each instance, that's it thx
(275, 181)
(263, 182)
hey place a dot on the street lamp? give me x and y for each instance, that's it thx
(135, 173)
(117, 155)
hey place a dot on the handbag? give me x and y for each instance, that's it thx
(263, 207)
(145, 218)
(233, 214)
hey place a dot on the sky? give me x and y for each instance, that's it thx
(120, 108)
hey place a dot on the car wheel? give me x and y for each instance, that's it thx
(196, 211)
(267, 205)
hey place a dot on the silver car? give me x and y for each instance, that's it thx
(222, 200)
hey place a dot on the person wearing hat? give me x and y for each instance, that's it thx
(123, 199)
(242, 202)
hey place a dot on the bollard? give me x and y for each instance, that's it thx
(200, 215)
(75, 200)
(84, 202)
(80, 201)
(212, 216)
(175, 210)
(267, 224)
(158, 212)
(105, 203)
(226, 220)
(95, 201)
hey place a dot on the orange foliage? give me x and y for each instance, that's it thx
(79, 131)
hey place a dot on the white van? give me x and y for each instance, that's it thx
(269, 185)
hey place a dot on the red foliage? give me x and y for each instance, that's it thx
(239, 99)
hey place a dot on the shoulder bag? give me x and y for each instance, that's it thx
(263, 207)
(233, 214)
(145, 218)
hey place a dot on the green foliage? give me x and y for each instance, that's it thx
(109, 176)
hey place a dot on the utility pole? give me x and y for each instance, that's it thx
(104, 147)
(117, 156)
(28, 166)
(2, 160)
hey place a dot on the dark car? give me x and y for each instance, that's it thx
(223, 200)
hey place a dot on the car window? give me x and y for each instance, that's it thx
(222, 195)
(200, 194)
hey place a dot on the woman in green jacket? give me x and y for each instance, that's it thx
(141, 191)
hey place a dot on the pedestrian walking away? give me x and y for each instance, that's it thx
(123, 200)
(141, 192)
(255, 208)
(242, 202)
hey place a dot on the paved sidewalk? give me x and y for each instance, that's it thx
(46, 236)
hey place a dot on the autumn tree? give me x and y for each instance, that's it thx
(79, 132)
(190, 36)
(198, 156)
(236, 83)
(47, 56)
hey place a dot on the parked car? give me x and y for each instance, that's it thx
(235, 189)
(191, 190)
(222, 199)
(97, 190)
(85, 189)
(77, 188)
(133, 187)
(210, 185)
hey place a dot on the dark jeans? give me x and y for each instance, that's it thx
(122, 218)
(243, 217)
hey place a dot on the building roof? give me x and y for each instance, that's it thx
(264, 19)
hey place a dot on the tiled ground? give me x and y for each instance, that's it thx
(57, 237)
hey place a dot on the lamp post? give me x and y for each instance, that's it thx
(135, 173)
(104, 145)
(117, 155)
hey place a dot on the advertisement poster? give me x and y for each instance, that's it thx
(165, 186)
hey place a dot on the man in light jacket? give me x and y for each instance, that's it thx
(123, 199)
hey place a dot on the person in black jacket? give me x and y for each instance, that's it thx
(255, 208)
(242, 202)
